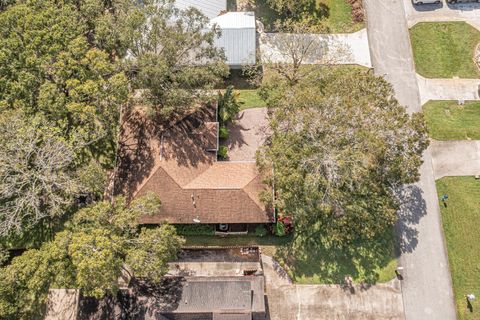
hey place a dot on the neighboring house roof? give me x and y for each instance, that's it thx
(238, 37)
(174, 162)
(221, 298)
(224, 297)
(210, 8)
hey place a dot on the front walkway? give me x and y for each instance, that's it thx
(347, 48)
(317, 302)
(468, 12)
(448, 89)
(455, 158)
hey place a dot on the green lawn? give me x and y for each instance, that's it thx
(317, 266)
(446, 120)
(445, 49)
(336, 15)
(250, 99)
(339, 18)
(461, 219)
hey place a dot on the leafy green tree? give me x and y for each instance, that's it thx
(48, 67)
(173, 58)
(341, 146)
(151, 249)
(36, 178)
(89, 254)
(228, 105)
(309, 11)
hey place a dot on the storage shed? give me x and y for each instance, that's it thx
(238, 37)
(210, 8)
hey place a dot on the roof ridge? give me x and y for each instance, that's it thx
(212, 168)
(154, 171)
(259, 203)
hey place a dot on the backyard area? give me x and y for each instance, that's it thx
(460, 223)
(445, 49)
(446, 120)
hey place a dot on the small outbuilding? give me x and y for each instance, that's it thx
(238, 37)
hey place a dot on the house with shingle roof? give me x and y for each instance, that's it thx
(178, 162)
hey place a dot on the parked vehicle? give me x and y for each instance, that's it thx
(426, 1)
(462, 1)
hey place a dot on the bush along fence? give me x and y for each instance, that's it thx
(228, 107)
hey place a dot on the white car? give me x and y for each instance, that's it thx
(426, 1)
(462, 1)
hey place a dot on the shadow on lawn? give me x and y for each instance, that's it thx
(361, 260)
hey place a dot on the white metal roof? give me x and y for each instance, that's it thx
(235, 20)
(210, 8)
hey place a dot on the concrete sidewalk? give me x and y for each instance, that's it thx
(348, 48)
(468, 12)
(455, 158)
(448, 89)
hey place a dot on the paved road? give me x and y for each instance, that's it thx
(456, 158)
(427, 290)
(448, 89)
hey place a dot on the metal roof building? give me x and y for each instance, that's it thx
(210, 8)
(238, 37)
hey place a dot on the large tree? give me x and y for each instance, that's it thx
(50, 66)
(36, 177)
(90, 255)
(341, 146)
(172, 56)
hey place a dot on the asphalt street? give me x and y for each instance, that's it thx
(426, 286)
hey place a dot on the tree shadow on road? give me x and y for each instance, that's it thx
(412, 209)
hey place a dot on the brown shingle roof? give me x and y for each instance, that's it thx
(175, 164)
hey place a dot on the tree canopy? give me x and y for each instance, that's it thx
(340, 147)
(70, 67)
(89, 254)
(36, 180)
(173, 57)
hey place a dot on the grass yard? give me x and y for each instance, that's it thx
(460, 220)
(339, 19)
(446, 120)
(250, 99)
(445, 49)
(317, 267)
(336, 15)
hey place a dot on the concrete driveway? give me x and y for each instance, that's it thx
(455, 158)
(288, 301)
(448, 89)
(468, 12)
(427, 288)
(347, 48)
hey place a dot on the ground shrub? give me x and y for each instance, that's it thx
(260, 231)
(222, 152)
(223, 133)
(279, 229)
